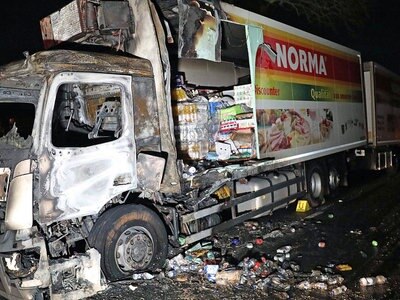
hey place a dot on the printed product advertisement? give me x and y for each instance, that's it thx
(308, 93)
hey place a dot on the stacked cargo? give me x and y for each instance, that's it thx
(214, 125)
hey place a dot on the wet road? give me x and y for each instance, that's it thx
(358, 228)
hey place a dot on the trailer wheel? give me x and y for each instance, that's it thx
(315, 184)
(130, 238)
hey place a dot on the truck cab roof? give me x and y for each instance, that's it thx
(42, 63)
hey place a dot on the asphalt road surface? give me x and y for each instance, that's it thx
(358, 230)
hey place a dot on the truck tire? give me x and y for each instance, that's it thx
(333, 178)
(316, 188)
(130, 238)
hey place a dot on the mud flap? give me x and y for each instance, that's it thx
(76, 278)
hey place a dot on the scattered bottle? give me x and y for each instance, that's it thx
(337, 279)
(235, 241)
(281, 257)
(380, 279)
(259, 241)
(249, 245)
(337, 291)
(142, 276)
(320, 286)
(295, 267)
(304, 285)
(369, 281)
(284, 250)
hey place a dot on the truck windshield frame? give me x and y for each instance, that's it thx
(16, 123)
(86, 114)
(87, 111)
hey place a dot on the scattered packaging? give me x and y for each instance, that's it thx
(228, 277)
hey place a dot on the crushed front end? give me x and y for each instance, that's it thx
(27, 268)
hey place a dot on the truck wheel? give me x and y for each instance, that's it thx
(130, 238)
(333, 179)
(315, 184)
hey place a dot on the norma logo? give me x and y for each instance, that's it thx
(300, 60)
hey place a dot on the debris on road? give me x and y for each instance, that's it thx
(142, 276)
(343, 267)
(262, 268)
(132, 288)
(363, 254)
(273, 234)
(369, 281)
(273, 258)
(356, 231)
(337, 291)
(226, 277)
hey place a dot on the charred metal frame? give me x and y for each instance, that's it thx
(233, 202)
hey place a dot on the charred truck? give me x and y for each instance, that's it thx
(199, 115)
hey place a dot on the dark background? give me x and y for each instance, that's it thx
(378, 39)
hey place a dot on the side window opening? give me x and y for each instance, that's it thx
(86, 114)
(16, 124)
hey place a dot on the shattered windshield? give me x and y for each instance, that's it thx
(16, 124)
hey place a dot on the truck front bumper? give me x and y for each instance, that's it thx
(26, 270)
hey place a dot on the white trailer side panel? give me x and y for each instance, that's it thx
(382, 104)
(308, 91)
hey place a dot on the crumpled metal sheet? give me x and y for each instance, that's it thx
(149, 42)
(196, 27)
(199, 30)
(84, 278)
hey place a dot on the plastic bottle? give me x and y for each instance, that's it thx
(304, 285)
(380, 279)
(337, 279)
(367, 281)
(323, 277)
(181, 118)
(337, 291)
(172, 273)
(294, 266)
(281, 257)
(285, 249)
(191, 111)
(184, 111)
(184, 268)
(320, 286)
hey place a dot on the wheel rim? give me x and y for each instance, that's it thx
(333, 179)
(316, 185)
(134, 250)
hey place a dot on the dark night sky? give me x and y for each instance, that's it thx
(379, 40)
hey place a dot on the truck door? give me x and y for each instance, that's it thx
(89, 155)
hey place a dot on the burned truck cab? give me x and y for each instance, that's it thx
(74, 129)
